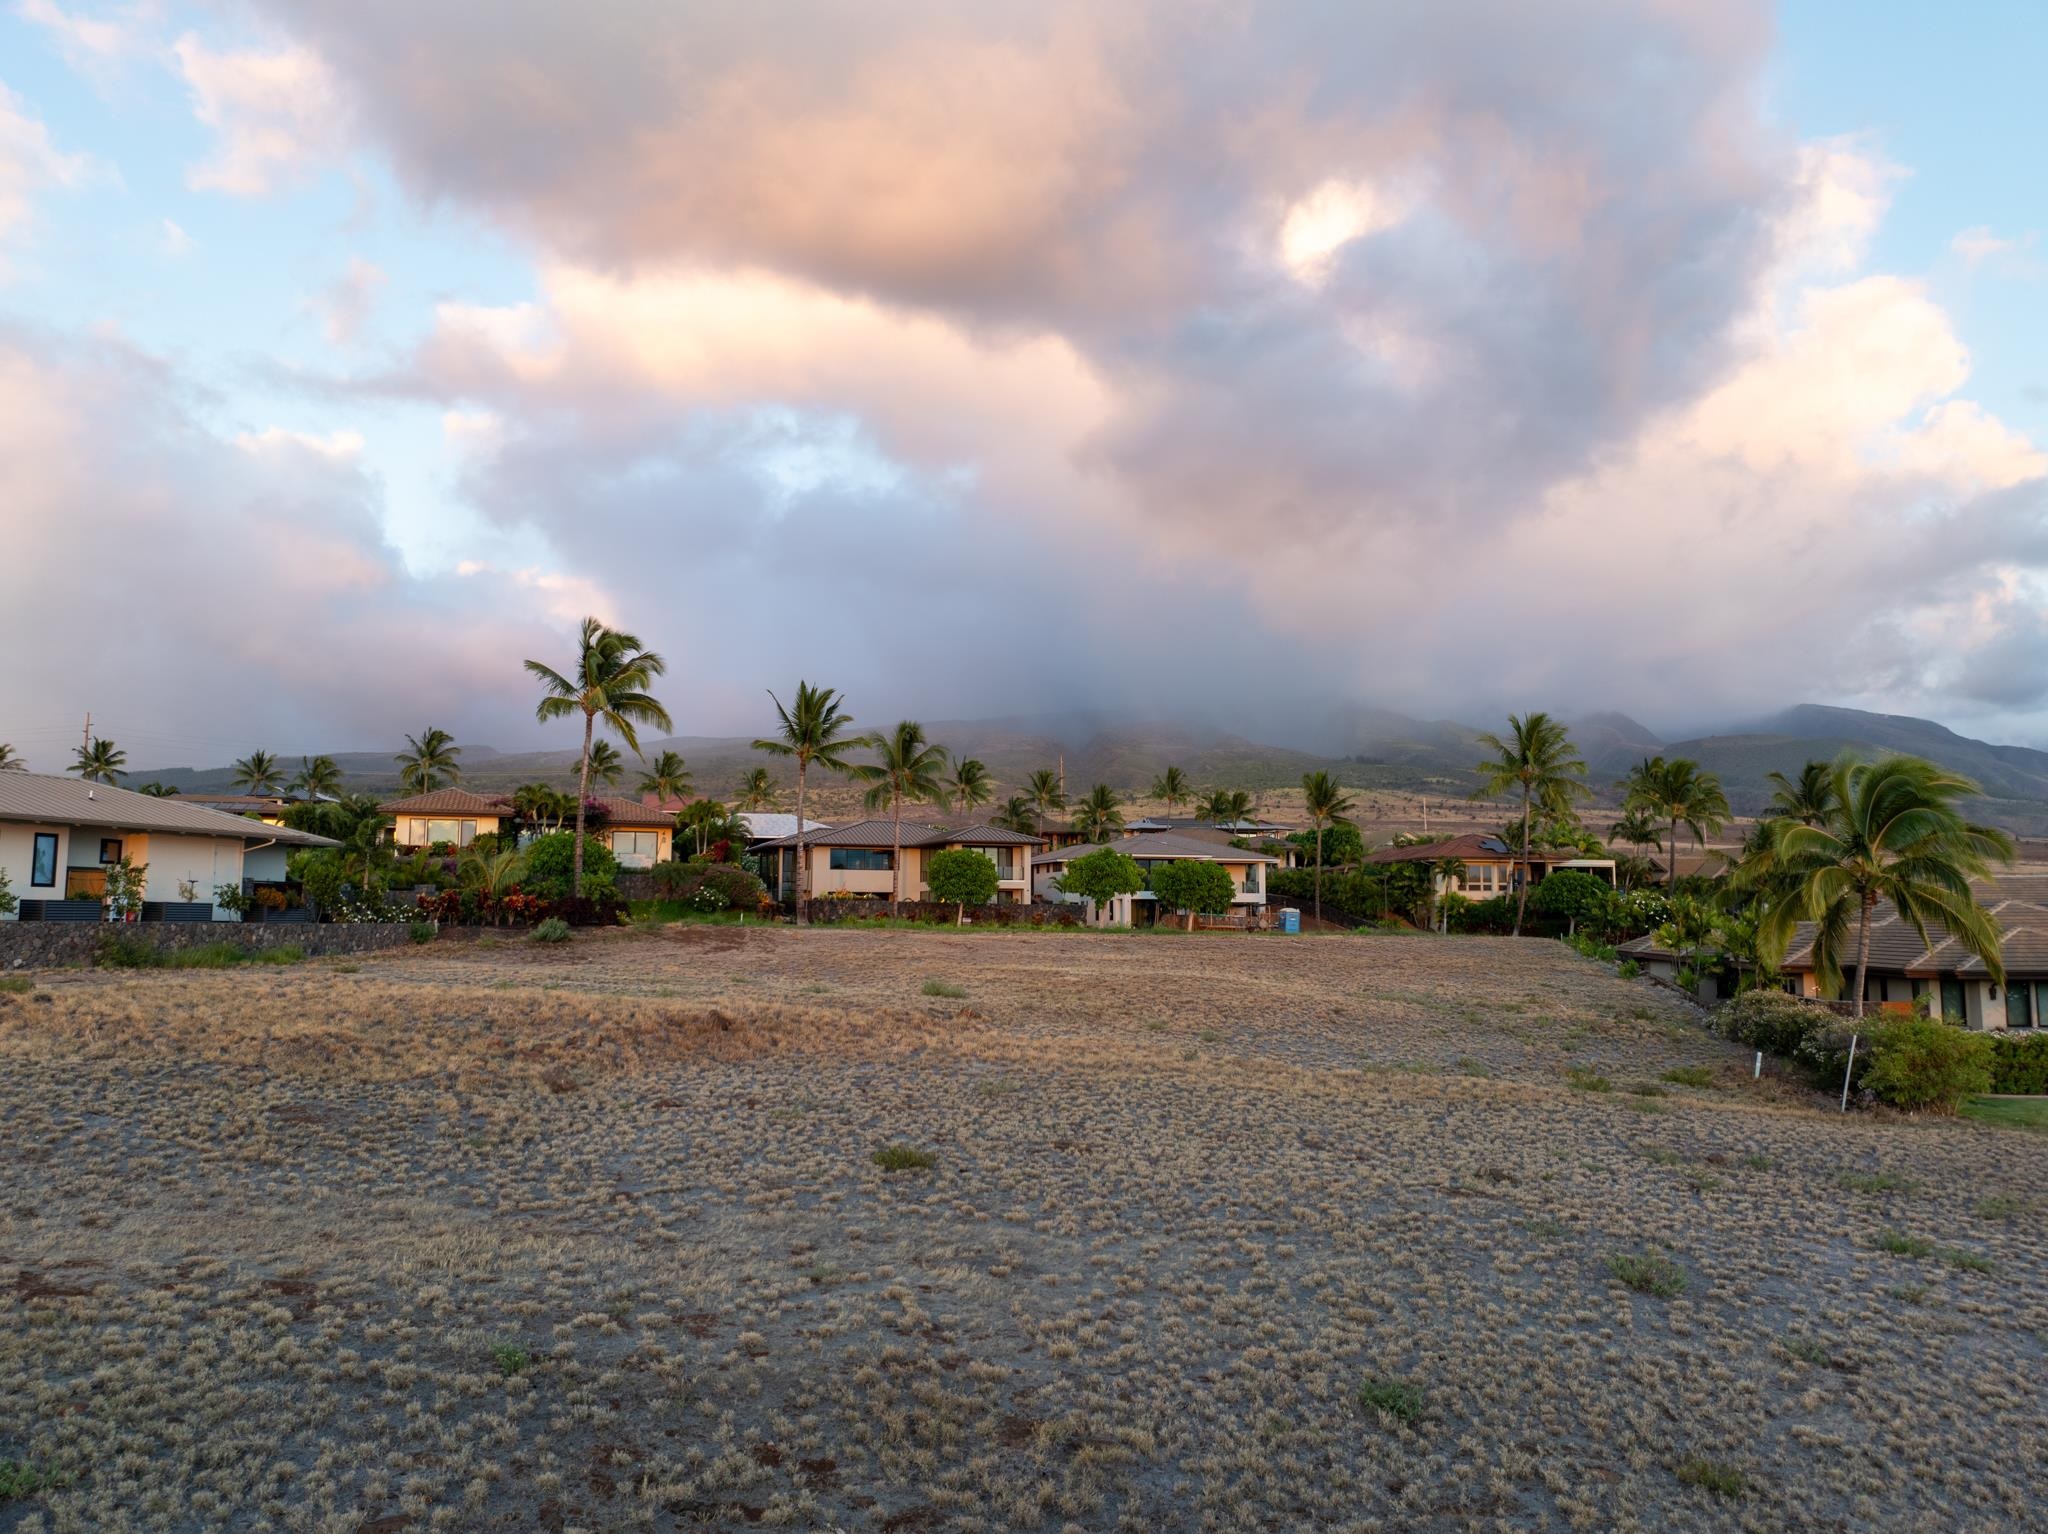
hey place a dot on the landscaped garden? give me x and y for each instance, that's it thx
(721, 1227)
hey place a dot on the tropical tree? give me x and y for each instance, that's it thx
(1101, 876)
(99, 761)
(1099, 817)
(319, 777)
(969, 784)
(906, 766)
(1224, 806)
(608, 682)
(1895, 833)
(429, 759)
(703, 819)
(1045, 794)
(1016, 815)
(10, 759)
(258, 773)
(1806, 800)
(493, 875)
(1194, 885)
(542, 805)
(961, 877)
(667, 777)
(1538, 760)
(606, 765)
(815, 728)
(158, 790)
(1173, 787)
(757, 790)
(1326, 804)
(1678, 792)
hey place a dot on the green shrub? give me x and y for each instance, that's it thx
(1628, 969)
(21, 1479)
(1899, 1244)
(1393, 1398)
(550, 868)
(553, 930)
(940, 988)
(16, 985)
(1650, 1273)
(511, 1359)
(1922, 1065)
(1194, 885)
(2019, 1064)
(1772, 1021)
(1585, 1079)
(1576, 896)
(1690, 1076)
(127, 950)
(904, 1158)
(421, 931)
(960, 878)
(1711, 1475)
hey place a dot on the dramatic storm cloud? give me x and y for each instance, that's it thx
(1162, 356)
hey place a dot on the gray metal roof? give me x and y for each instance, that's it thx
(916, 833)
(50, 800)
(767, 825)
(1164, 846)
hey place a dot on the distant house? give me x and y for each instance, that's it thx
(59, 836)
(859, 860)
(1250, 871)
(1488, 867)
(268, 808)
(773, 825)
(638, 834)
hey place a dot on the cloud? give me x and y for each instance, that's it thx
(1979, 244)
(174, 241)
(274, 112)
(29, 161)
(93, 44)
(345, 305)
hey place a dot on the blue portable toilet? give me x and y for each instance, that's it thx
(1290, 920)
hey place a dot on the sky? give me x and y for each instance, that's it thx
(1221, 360)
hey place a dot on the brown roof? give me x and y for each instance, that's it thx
(634, 812)
(69, 801)
(882, 833)
(448, 801)
(1896, 947)
(238, 804)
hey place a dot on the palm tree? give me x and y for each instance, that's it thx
(1173, 787)
(698, 817)
(158, 790)
(667, 777)
(99, 761)
(319, 778)
(1895, 833)
(757, 790)
(1098, 816)
(814, 729)
(1224, 806)
(606, 765)
(541, 804)
(906, 766)
(1327, 805)
(611, 675)
(1539, 759)
(1807, 800)
(1016, 815)
(1639, 830)
(1045, 794)
(258, 773)
(494, 875)
(428, 760)
(1679, 793)
(969, 784)
(10, 759)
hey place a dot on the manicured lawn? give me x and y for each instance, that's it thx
(2010, 1112)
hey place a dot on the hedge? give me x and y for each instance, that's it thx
(2019, 1065)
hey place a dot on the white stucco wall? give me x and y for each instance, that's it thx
(17, 856)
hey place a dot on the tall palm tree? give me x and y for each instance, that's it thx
(1045, 794)
(1677, 792)
(429, 759)
(813, 729)
(10, 759)
(541, 805)
(969, 784)
(1538, 759)
(158, 790)
(1327, 805)
(1173, 787)
(1895, 833)
(1224, 806)
(319, 777)
(1807, 800)
(605, 764)
(1016, 815)
(667, 777)
(1639, 829)
(99, 761)
(608, 681)
(757, 790)
(258, 773)
(1098, 817)
(906, 766)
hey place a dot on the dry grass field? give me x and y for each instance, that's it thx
(712, 1228)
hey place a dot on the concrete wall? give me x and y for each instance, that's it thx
(33, 945)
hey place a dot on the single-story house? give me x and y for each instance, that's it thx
(1249, 870)
(860, 859)
(1266, 835)
(638, 834)
(1490, 867)
(59, 836)
(268, 808)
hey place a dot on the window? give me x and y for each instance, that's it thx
(1251, 879)
(110, 849)
(1479, 877)
(636, 849)
(457, 833)
(863, 859)
(1005, 859)
(43, 871)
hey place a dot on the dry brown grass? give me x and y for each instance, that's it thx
(509, 1238)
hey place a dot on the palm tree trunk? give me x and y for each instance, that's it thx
(1672, 853)
(1319, 873)
(582, 790)
(1862, 954)
(1522, 894)
(803, 859)
(896, 855)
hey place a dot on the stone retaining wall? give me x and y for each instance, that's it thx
(43, 945)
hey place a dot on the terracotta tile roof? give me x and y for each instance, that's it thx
(449, 801)
(633, 812)
(72, 802)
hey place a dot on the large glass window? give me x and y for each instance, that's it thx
(2019, 1006)
(1251, 880)
(863, 859)
(458, 833)
(636, 849)
(1005, 859)
(43, 871)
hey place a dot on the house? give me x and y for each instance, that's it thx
(860, 859)
(1249, 870)
(638, 834)
(1488, 867)
(773, 825)
(60, 835)
(268, 808)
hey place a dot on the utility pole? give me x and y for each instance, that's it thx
(1063, 774)
(86, 744)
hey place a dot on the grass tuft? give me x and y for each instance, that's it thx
(904, 1158)
(1689, 1076)
(1650, 1273)
(941, 988)
(1874, 1182)
(1899, 1244)
(1585, 1079)
(1391, 1398)
(511, 1359)
(1713, 1475)
(16, 985)
(20, 1479)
